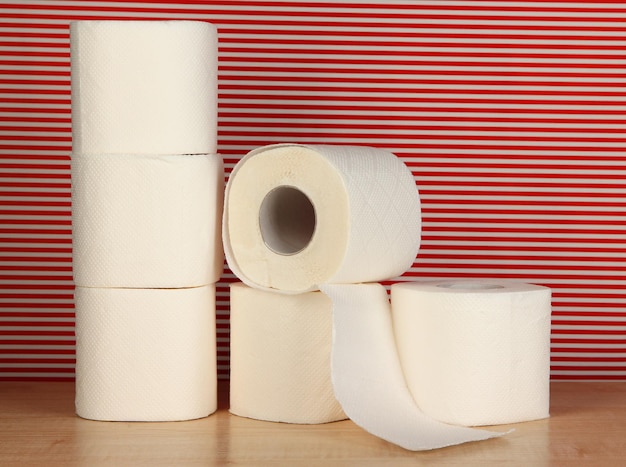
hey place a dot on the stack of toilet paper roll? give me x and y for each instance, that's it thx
(147, 195)
(417, 372)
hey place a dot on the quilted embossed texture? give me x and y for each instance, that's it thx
(280, 356)
(147, 221)
(475, 352)
(385, 215)
(145, 355)
(146, 87)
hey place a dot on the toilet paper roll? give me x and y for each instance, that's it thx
(280, 356)
(297, 216)
(145, 354)
(367, 377)
(475, 352)
(147, 221)
(145, 87)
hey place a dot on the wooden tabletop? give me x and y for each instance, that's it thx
(38, 427)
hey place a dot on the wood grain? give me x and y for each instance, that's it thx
(38, 427)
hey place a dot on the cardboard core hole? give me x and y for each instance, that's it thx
(287, 220)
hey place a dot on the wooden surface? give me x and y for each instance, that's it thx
(38, 427)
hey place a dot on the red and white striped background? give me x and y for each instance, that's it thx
(511, 114)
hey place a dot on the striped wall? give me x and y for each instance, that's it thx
(511, 115)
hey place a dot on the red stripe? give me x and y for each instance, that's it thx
(30, 249)
(398, 127)
(312, 39)
(18, 278)
(36, 268)
(38, 361)
(586, 377)
(29, 305)
(34, 147)
(594, 368)
(36, 314)
(353, 52)
(21, 212)
(38, 351)
(46, 222)
(18, 286)
(31, 332)
(42, 259)
(28, 324)
(59, 379)
(31, 342)
(603, 350)
(41, 370)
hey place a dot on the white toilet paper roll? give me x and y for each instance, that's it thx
(145, 354)
(298, 216)
(280, 356)
(368, 379)
(145, 87)
(147, 221)
(475, 352)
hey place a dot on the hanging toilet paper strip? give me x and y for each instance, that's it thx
(475, 352)
(143, 87)
(368, 379)
(147, 221)
(297, 216)
(145, 354)
(280, 356)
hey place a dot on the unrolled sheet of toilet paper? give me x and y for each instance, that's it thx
(280, 356)
(145, 354)
(145, 87)
(475, 352)
(147, 221)
(298, 218)
(301, 215)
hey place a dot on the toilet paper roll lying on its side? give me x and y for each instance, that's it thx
(145, 87)
(147, 221)
(145, 354)
(298, 216)
(475, 352)
(280, 356)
